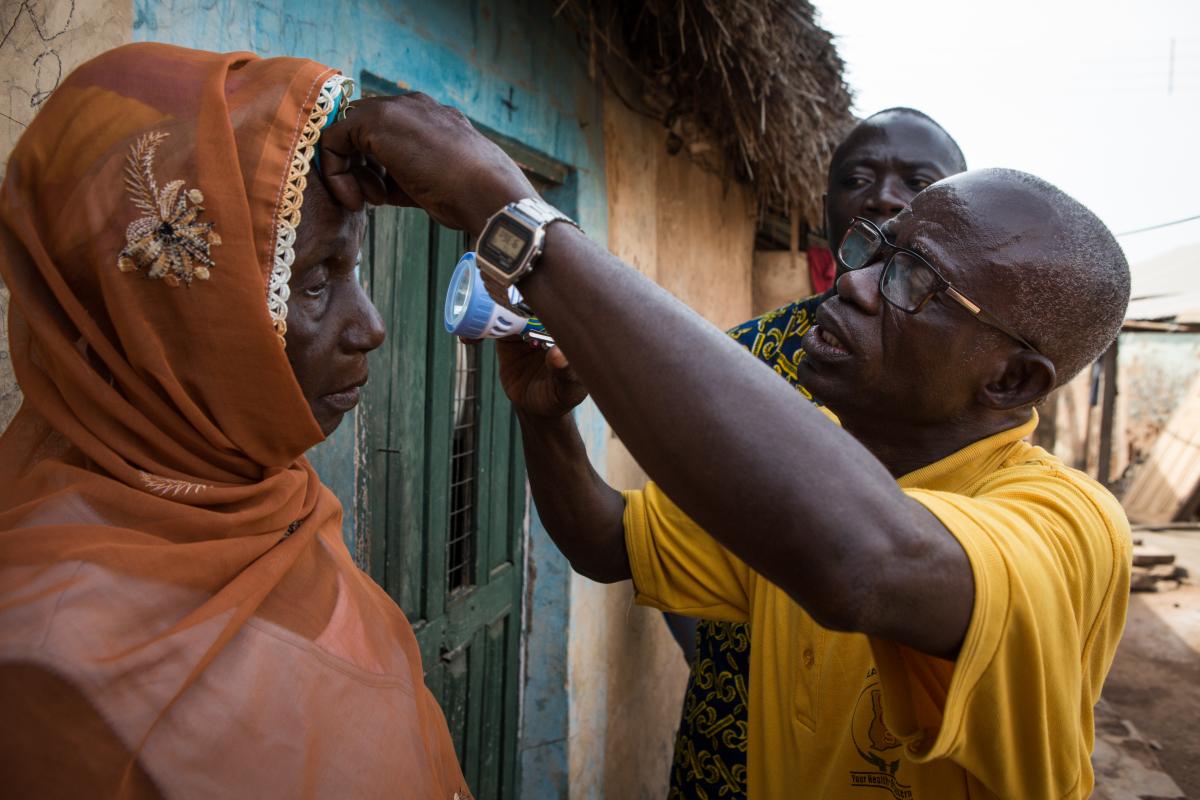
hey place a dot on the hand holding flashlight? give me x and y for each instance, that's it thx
(535, 374)
(539, 382)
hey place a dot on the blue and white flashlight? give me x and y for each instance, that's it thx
(473, 314)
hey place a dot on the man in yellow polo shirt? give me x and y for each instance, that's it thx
(933, 611)
(1048, 547)
(1048, 552)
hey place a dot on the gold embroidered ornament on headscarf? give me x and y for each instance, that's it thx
(169, 242)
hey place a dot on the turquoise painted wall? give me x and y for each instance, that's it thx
(509, 65)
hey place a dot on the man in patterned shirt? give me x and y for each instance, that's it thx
(877, 169)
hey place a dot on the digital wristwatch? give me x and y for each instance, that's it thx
(513, 238)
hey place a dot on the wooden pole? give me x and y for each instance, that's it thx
(1045, 435)
(1089, 415)
(794, 234)
(1107, 411)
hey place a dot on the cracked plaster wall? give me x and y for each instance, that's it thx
(41, 41)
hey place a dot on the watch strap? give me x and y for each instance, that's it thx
(541, 212)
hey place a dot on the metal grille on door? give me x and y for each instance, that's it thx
(460, 539)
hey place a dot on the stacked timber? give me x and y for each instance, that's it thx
(1154, 569)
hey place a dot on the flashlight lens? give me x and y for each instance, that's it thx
(462, 295)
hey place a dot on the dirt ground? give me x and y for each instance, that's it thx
(1155, 681)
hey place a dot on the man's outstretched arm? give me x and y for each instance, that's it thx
(650, 364)
(844, 542)
(582, 513)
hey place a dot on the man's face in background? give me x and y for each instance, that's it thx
(877, 170)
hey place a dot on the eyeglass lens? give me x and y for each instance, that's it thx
(907, 283)
(859, 246)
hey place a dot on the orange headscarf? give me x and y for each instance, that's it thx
(176, 602)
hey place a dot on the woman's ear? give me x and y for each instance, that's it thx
(1022, 379)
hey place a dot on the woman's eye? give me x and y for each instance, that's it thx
(919, 184)
(855, 182)
(317, 290)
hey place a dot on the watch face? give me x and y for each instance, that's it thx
(504, 244)
(507, 242)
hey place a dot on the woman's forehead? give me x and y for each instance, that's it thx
(326, 225)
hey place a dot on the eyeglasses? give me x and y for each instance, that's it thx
(908, 281)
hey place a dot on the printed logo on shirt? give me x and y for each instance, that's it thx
(876, 744)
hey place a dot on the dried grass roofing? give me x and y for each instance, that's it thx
(752, 88)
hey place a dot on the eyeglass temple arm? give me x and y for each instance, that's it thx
(985, 317)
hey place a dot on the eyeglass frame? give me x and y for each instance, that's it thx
(945, 286)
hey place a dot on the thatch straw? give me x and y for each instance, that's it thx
(749, 85)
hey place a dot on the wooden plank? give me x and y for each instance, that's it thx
(488, 527)
(430, 635)
(516, 526)
(1169, 478)
(408, 339)
(502, 535)
(477, 680)
(435, 680)
(1146, 556)
(467, 612)
(454, 698)
(1108, 404)
(438, 418)
(518, 488)
(533, 162)
(510, 700)
(492, 706)
(1163, 327)
(1159, 578)
(373, 416)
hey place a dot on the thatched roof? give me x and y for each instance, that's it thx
(749, 86)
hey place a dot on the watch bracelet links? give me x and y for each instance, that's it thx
(541, 212)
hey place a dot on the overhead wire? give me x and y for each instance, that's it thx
(1159, 225)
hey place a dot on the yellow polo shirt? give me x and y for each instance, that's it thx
(846, 716)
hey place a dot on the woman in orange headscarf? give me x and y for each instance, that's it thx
(178, 613)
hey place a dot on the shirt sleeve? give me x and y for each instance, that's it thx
(676, 566)
(1050, 555)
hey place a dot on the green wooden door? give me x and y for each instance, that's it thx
(442, 494)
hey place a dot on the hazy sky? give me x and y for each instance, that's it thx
(1081, 94)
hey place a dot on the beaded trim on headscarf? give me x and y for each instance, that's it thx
(335, 91)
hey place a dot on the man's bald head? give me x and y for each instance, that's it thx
(1055, 271)
(1021, 250)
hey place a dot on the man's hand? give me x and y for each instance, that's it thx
(412, 150)
(540, 383)
(583, 514)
